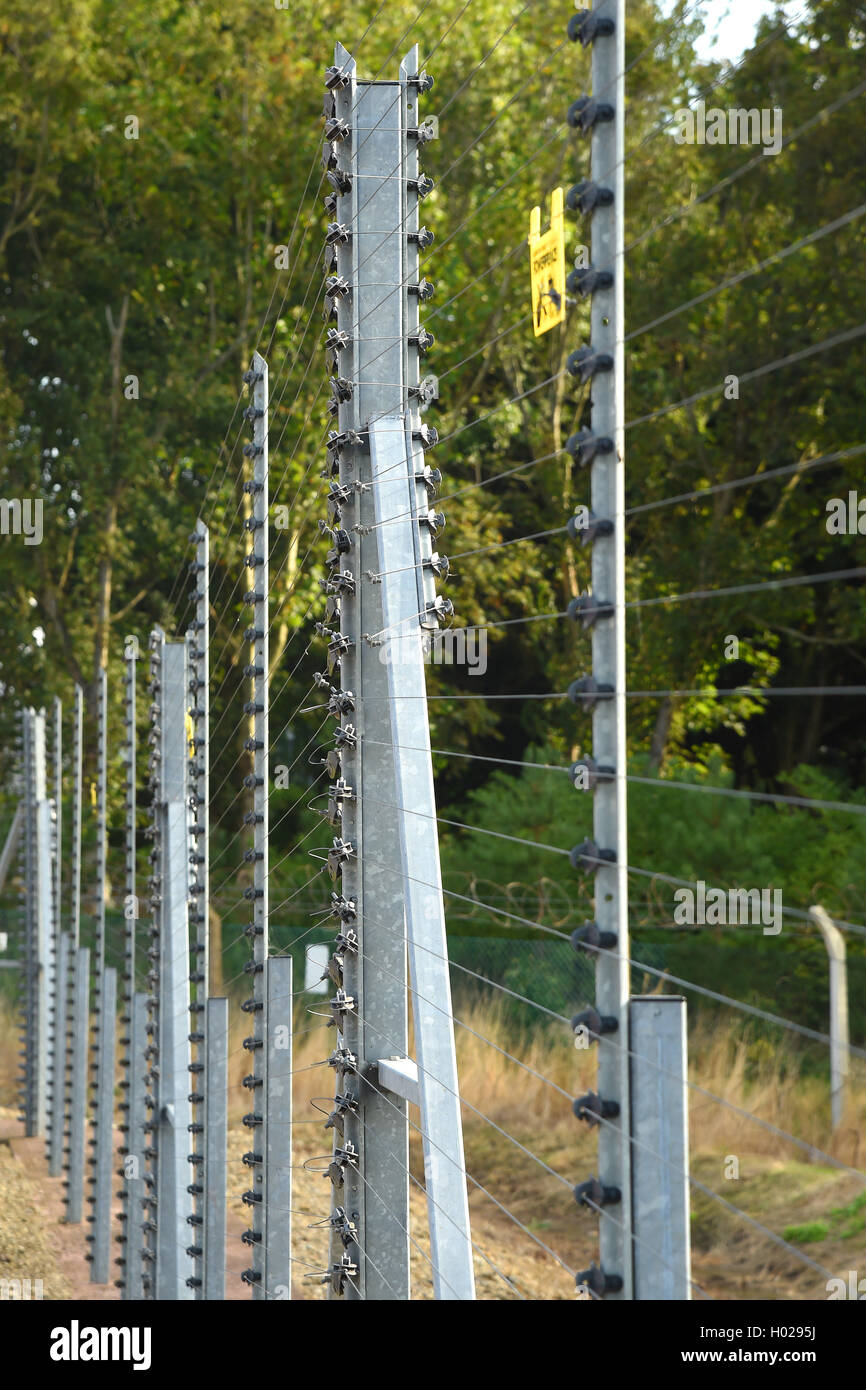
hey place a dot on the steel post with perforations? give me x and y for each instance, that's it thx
(266, 1267)
(176, 1177)
(102, 1140)
(133, 1014)
(384, 854)
(198, 660)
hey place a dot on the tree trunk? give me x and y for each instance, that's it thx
(661, 731)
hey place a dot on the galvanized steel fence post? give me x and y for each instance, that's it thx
(197, 654)
(78, 1002)
(177, 1179)
(390, 889)
(256, 599)
(134, 1009)
(102, 1142)
(150, 1201)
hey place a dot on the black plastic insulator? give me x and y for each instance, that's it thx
(585, 197)
(586, 527)
(586, 112)
(596, 1024)
(592, 1109)
(588, 610)
(588, 857)
(586, 281)
(597, 1281)
(586, 773)
(590, 938)
(587, 27)
(587, 691)
(586, 363)
(593, 1193)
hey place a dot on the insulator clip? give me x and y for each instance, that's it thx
(586, 112)
(586, 281)
(584, 446)
(596, 1024)
(586, 527)
(588, 692)
(424, 289)
(596, 1282)
(586, 363)
(592, 1109)
(591, 938)
(586, 774)
(336, 78)
(588, 610)
(587, 27)
(588, 857)
(345, 1157)
(337, 129)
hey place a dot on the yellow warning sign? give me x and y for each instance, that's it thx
(547, 266)
(190, 733)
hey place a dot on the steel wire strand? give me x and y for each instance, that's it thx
(272, 828)
(239, 902)
(488, 1194)
(793, 581)
(809, 240)
(756, 160)
(836, 340)
(806, 802)
(812, 1149)
(696, 494)
(368, 1082)
(799, 1028)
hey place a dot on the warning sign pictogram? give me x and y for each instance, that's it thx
(547, 266)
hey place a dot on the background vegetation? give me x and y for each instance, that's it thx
(155, 257)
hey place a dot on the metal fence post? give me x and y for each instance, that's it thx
(77, 805)
(839, 1040)
(277, 1222)
(100, 1256)
(29, 1002)
(258, 744)
(660, 1154)
(150, 1200)
(131, 1262)
(199, 796)
(102, 1142)
(79, 1070)
(57, 1128)
(603, 612)
(363, 298)
(129, 1259)
(407, 572)
(44, 893)
(176, 1179)
(215, 1154)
